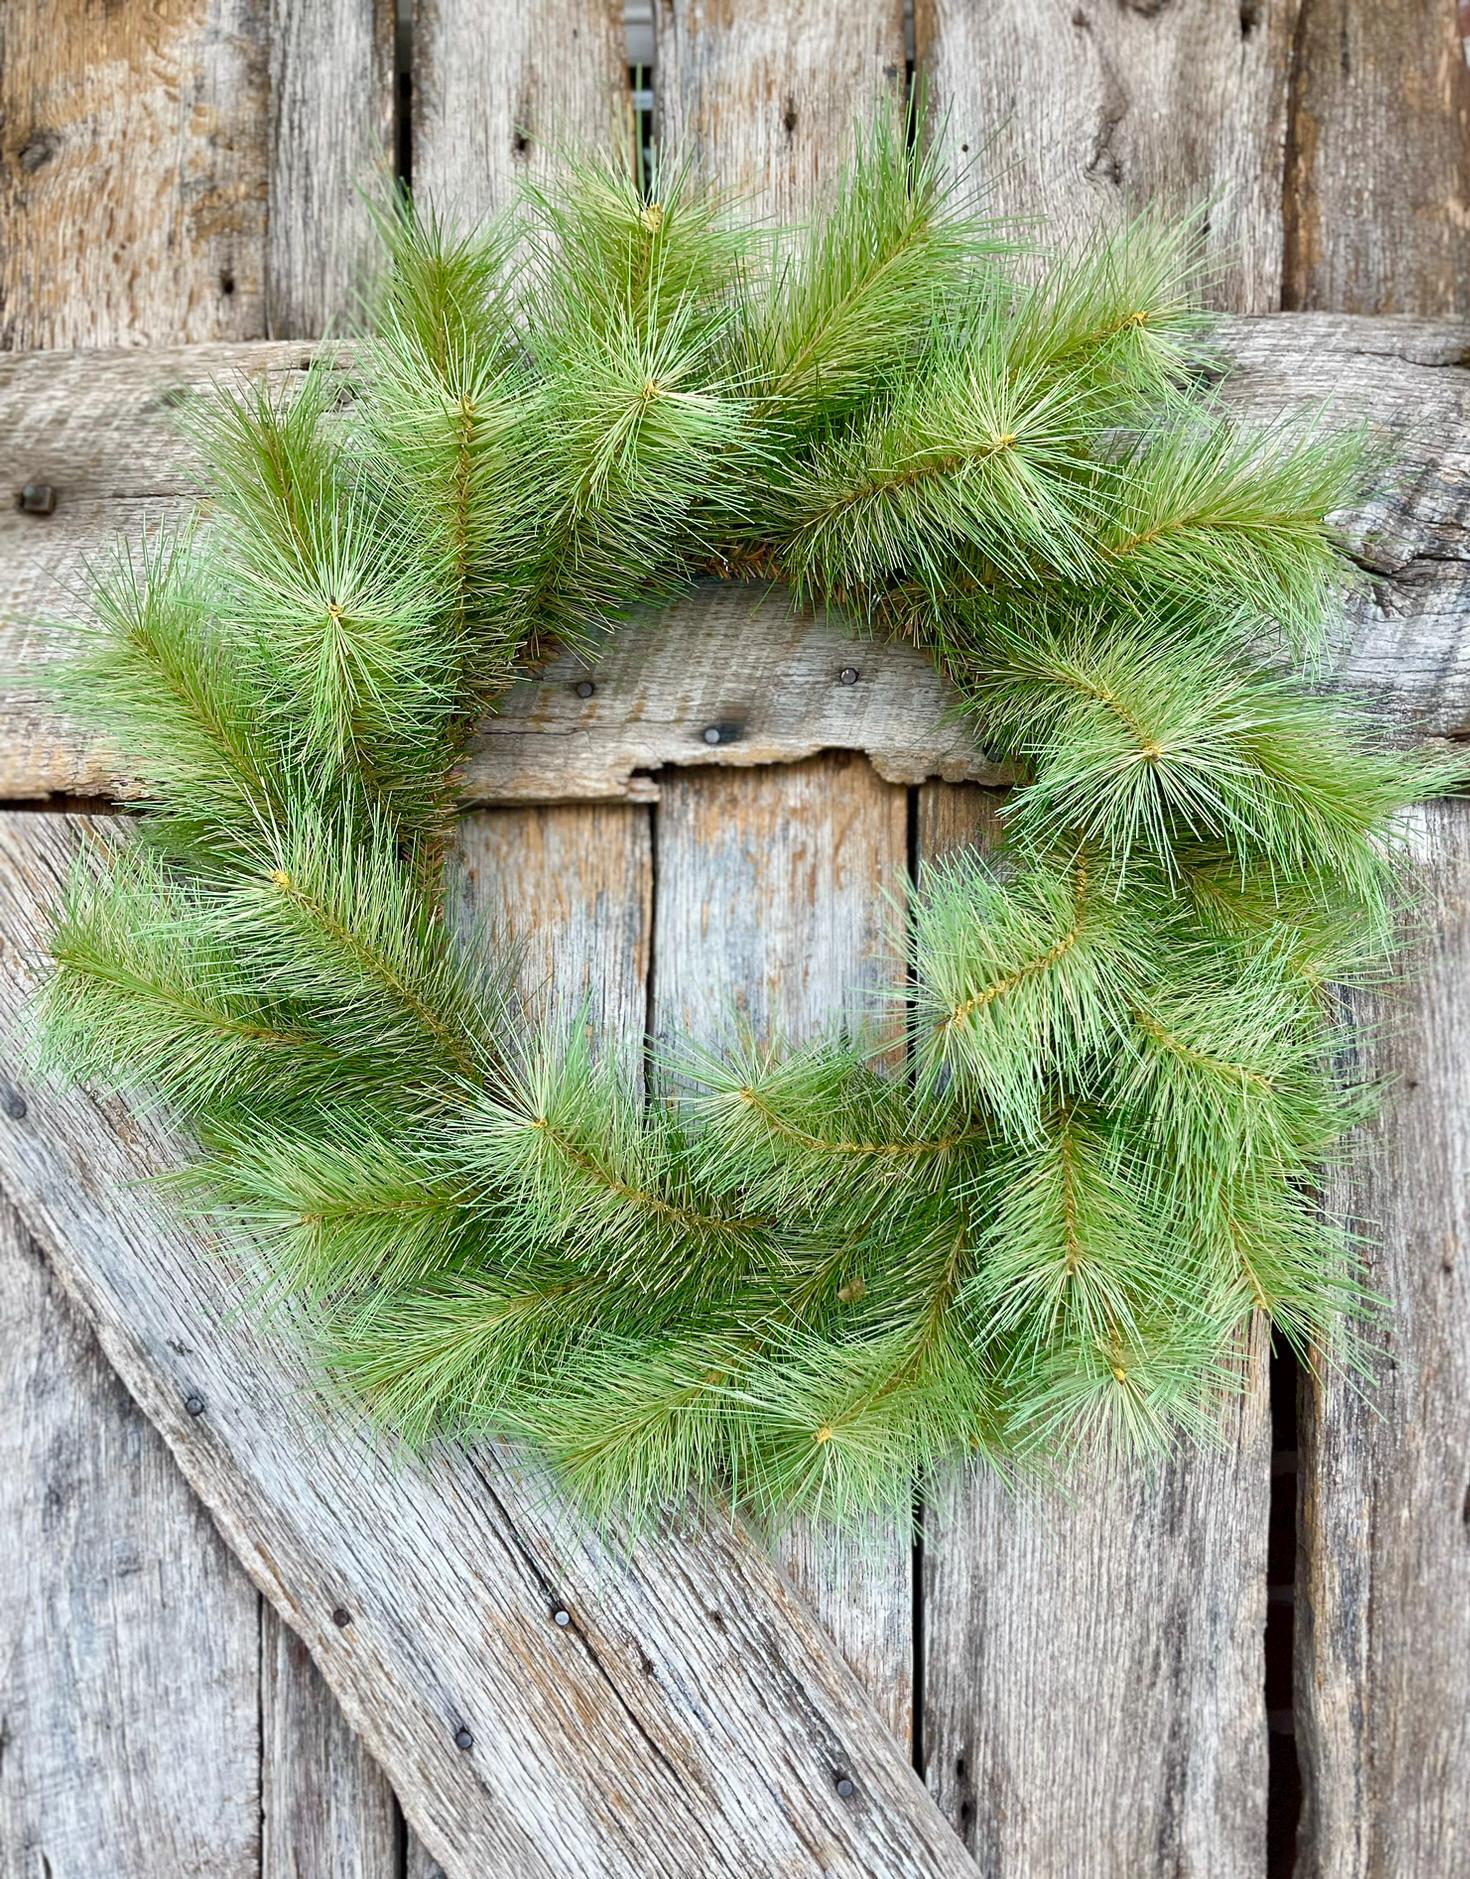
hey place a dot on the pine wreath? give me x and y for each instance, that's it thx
(801, 1280)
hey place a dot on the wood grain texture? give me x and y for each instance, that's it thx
(772, 912)
(769, 884)
(101, 430)
(326, 1809)
(133, 167)
(331, 141)
(1085, 112)
(1377, 218)
(567, 892)
(1377, 202)
(129, 1733)
(1093, 1664)
(691, 1716)
(496, 88)
(765, 93)
(1383, 1587)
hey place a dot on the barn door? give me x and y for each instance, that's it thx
(1100, 1688)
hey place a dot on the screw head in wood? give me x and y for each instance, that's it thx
(341, 1617)
(846, 1787)
(849, 675)
(37, 499)
(463, 1739)
(562, 1618)
(585, 688)
(194, 1403)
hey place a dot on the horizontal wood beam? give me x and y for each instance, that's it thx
(733, 675)
(548, 1703)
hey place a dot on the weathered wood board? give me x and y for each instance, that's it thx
(1128, 1609)
(732, 674)
(778, 909)
(1383, 1587)
(130, 1639)
(1074, 116)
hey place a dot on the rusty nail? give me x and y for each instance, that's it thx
(341, 1618)
(845, 1786)
(848, 675)
(711, 733)
(194, 1403)
(463, 1739)
(562, 1618)
(585, 688)
(38, 499)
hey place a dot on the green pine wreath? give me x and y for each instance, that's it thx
(793, 1278)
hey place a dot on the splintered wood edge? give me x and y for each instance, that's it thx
(732, 675)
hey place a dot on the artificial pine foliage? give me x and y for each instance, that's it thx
(803, 1278)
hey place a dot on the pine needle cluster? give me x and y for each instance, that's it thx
(802, 1279)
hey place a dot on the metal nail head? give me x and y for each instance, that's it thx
(846, 1786)
(562, 1618)
(849, 675)
(463, 1739)
(37, 499)
(585, 688)
(711, 733)
(194, 1403)
(341, 1618)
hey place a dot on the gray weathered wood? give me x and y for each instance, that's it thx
(1084, 112)
(497, 88)
(133, 168)
(129, 1738)
(1383, 1586)
(772, 912)
(766, 92)
(1377, 206)
(691, 1716)
(326, 1809)
(769, 884)
(567, 891)
(1377, 202)
(331, 143)
(100, 430)
(1093, 1669)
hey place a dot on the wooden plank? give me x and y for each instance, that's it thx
(569, 891)
(769, 883)
(331, 145)
(99, 429)
(1129, 1612)
(1377, 201)
(772, 912)
(326, 1809)
(133, 177)
(1383, 1586)
(691, 1715)
(1377, 205)
(1080, 113)
(129, 1741)
(497, 88)
(767, 92)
